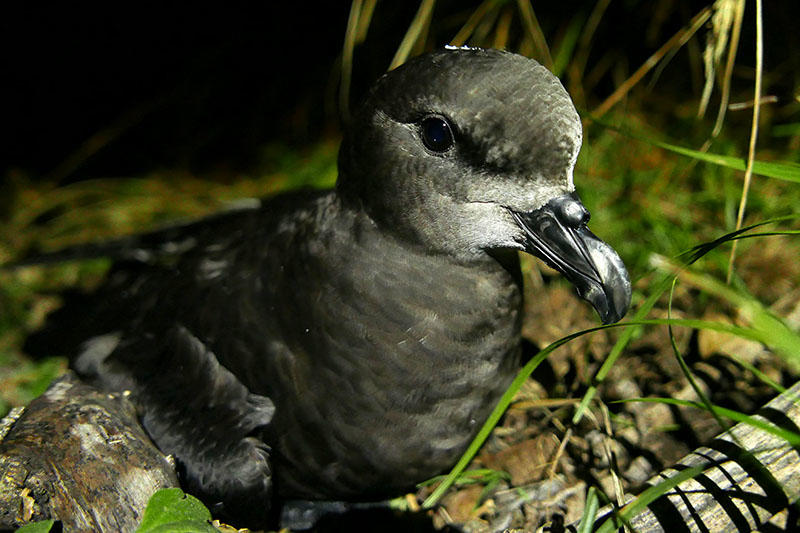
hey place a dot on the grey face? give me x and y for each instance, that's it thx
(450, 149)
(515, 133)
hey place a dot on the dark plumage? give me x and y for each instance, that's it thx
(346, 344)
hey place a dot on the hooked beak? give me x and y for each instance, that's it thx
(557, 234)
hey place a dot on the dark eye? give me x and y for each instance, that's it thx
(437, 135)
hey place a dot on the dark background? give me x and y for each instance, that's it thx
(205, 88)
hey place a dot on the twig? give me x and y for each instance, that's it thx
(726, 81)
(472, 22)
(676, 41)
(347, 59)
(535, 31)
(415, 30)
(751, 152)
(551, 472)
(741, 106)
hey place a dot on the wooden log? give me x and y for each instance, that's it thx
(750, 480)
(78, 455)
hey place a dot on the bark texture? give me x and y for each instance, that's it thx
(80, 456)
(750, 480)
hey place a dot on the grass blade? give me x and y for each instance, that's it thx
(751, 151)
(589, 511)
(792, 438)
(782, 170)
(647, 497)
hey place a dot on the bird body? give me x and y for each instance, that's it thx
(347, 344)
(311, 312)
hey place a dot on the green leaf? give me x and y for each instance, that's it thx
(184, 526)
(37, 527)
(174, 511)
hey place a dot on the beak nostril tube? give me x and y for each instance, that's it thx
(570, 211)
(557, 233)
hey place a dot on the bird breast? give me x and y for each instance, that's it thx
(396, 359)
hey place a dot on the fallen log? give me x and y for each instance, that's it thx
(78, 455)
(750, 480)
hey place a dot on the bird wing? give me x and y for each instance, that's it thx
(177, 308)
(189, 272)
